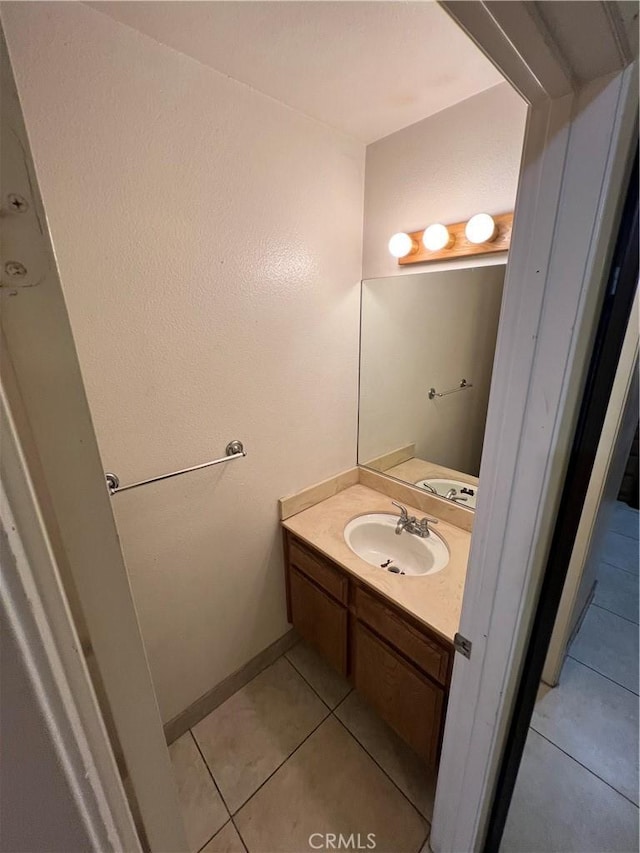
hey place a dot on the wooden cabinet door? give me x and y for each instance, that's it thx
(320, 620)
(410, 703)
(386, 621)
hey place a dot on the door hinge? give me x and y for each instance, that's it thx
(462, 645)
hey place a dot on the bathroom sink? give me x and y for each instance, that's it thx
(374, 539)
(443, 485)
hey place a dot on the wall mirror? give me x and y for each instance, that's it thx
(427, 345)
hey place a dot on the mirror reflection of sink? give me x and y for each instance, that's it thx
(374, 539)
(442, 486)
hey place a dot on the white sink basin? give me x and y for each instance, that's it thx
(441, 486)
(374, 539)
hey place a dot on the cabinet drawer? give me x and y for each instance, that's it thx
(319, 570)
(425, 653)
(319, 620)
(410, 703)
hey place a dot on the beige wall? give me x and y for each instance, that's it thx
(461, 161)
(428, 330)
(209, 245)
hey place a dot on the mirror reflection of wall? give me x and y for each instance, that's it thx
(423, 331)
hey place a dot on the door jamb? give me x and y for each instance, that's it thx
(576, 161)
(37, 612)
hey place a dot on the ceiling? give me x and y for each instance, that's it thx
(367, 69)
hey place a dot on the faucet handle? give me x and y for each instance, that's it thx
(428, 519)
(403, 510)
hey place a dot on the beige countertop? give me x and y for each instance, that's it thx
(435, 600)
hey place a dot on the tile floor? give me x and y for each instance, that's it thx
(297, 752)
(577, 789)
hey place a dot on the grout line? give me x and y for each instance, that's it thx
(349, 732)
(597, 671)
(413, 805)
(330, 713)
(620, 533)
(213, 778)
(620, 568)
(613, 613)
(584, 766)
(283, 762)
(242, 841)
(421, 848)
(200, 849)
(342, 701)
(226, 823)
(309, 684)
(333, 714)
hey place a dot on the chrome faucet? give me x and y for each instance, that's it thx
(452, 495)
(429, 488)
(411, 524)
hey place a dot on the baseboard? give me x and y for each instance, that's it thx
(188, 718)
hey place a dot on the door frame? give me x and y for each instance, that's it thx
(56, 492)
(574, 164)
(617, 332)
(37, 612)
(613, 451)
(576, 161)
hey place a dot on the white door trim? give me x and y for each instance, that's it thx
(50, 649)
(60, 453)
(574, 169)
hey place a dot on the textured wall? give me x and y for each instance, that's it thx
(430, 330)
(461, 161)
(209, 245)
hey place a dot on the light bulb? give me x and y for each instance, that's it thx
(437, 237)
(481, 228)
(401, 245)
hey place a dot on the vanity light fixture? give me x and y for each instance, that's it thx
(401, 245)
(481, 228)
(481, 235)
(437, 237)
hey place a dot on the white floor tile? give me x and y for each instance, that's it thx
(330, 686)
(256, 729)
(203, 811)
(409, 772)
(617, 591)
(620, 551)
(596, 722)
(608, 644)
(560, 807)
(226, 840)
(625, 520)
(330, 786)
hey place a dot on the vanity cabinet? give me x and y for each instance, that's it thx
(398, 665)
(319, 620)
